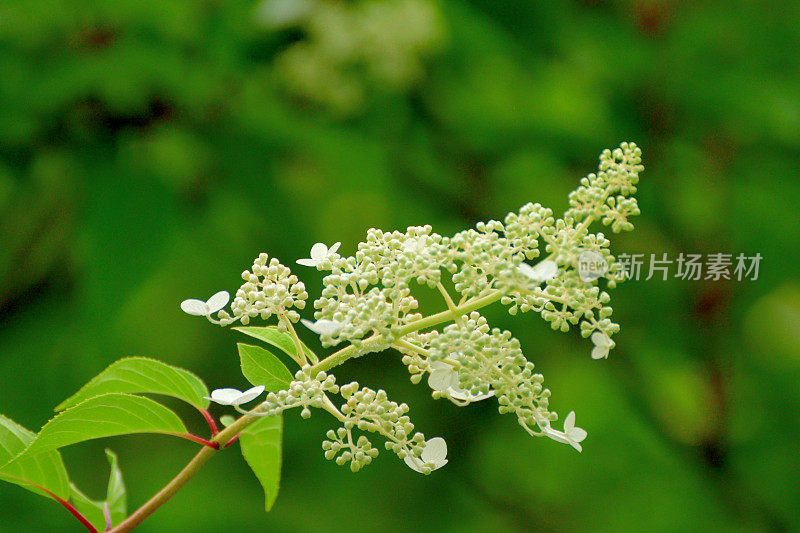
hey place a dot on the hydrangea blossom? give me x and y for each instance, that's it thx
(444, 379)
(323, 327)
(602, 345)
(235, 397)
(544, 271)
(528, 262)
(571, 435)
(319, 254)
(433, 456)
(200, 308)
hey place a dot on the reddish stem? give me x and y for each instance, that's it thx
(234, 439)
(211, 423)
(200, 440)
(77, 514)
(68, 506)
(71, 508)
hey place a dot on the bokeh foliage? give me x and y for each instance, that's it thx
(150, 150)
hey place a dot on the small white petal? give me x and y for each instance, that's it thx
(435, 451)
(307, 262)
(323, 326)
(569, 422)
(599, 352)
(333, 249)
(575, 445)
(440, 366)
(526, 270)
(546, 270)
(457, 394)
(542, 272)
(319, 251)
(600, 339)
(440, 380)
(556, 435)
(218, 301)
(577, 434)
(413, 463)
(225, 396)
(195, 307)
(250, 394)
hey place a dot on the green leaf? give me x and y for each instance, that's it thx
(44, 470)
(279, 339)
(261, 448)
(116, 494)
(261, 367)
(105, 416)
(115, 502)
(141, 374)
(92, 510)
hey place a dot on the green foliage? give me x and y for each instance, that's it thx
(261, 448)
(143, 375)
(104, 416)
(115, 503)
(279, 339)
(261, 367)
(42, 471)
(146, 151)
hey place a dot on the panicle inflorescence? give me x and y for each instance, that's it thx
(367, 301)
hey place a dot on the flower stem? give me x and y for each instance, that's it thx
(182, 478)
(300, 358)
(337, 358)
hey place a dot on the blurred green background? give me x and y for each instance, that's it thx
(149, 150)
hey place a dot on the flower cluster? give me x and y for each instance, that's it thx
(269, 289)
(469, 362)
(369, 410)
(618, 175)
(307, 390)
(367, 302)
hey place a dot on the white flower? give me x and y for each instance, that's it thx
(571, 435)
(323, 326)
(235, 397)
(434, 454)
(602, 344)
(544, 271)
(414, 245)
(444, 378)
(319, 252)
(207, 308)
